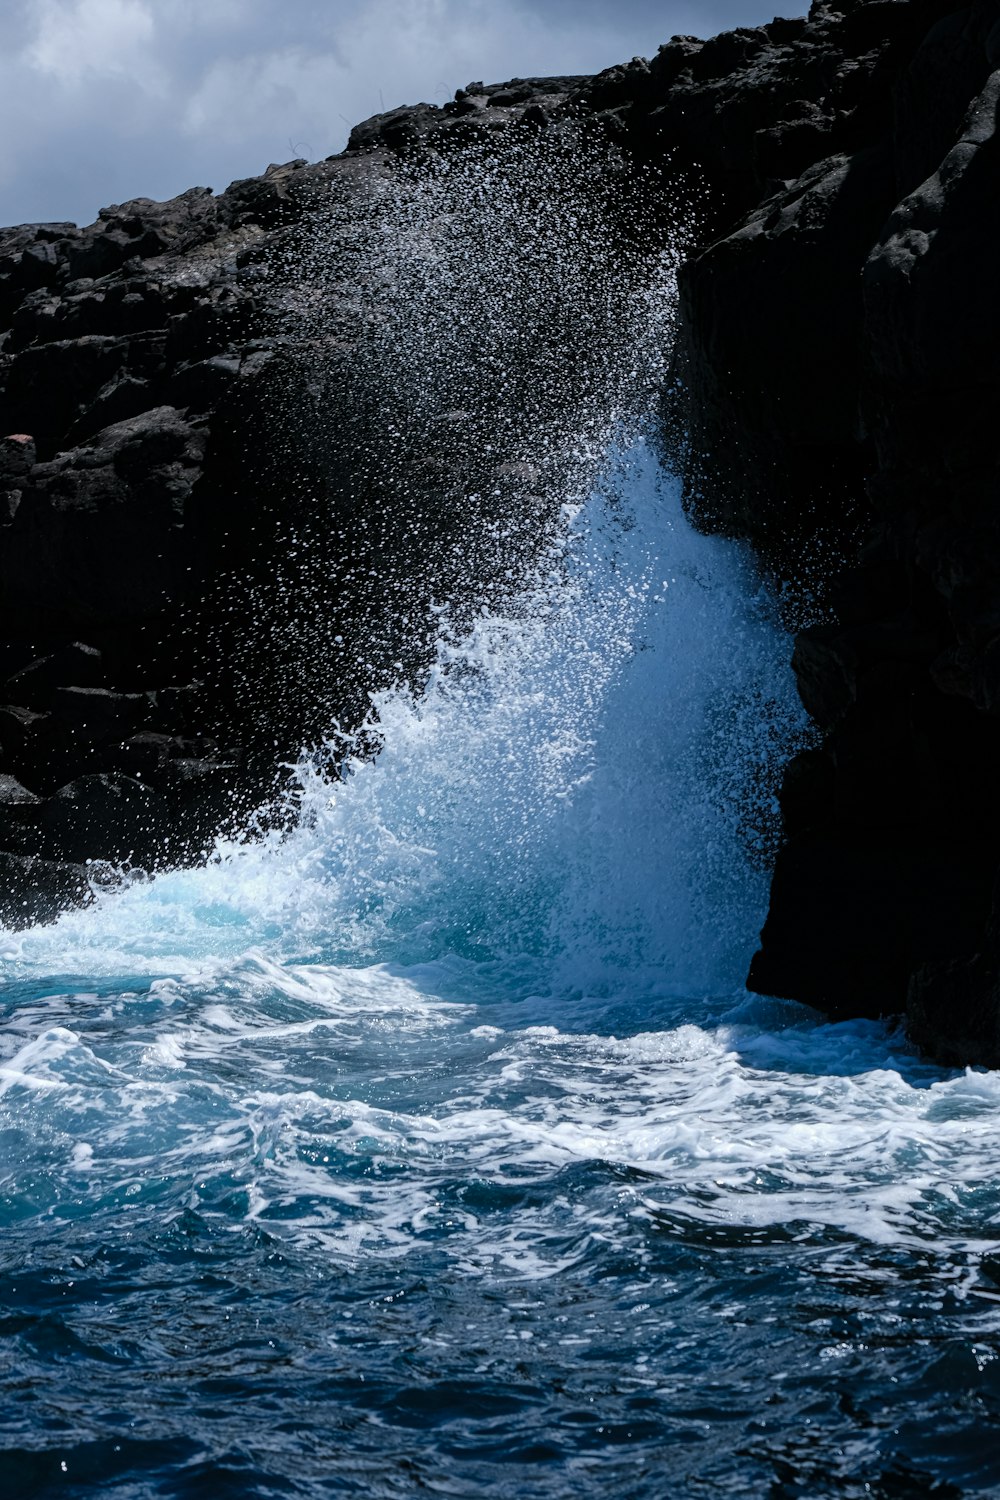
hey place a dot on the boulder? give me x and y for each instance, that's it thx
(37, 890)
(101, 817)
(94, 539)
(34, 685)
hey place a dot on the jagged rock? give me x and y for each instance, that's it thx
(853, 911)
(13, 794)
(98, 712)
(94, 537)
(769, 407)
(100, 817)
(413, 126)
(17, 455)
(37, 890)
(807, 791)
(883, 901)
(33, 685)
(18, 810)
(35, 747)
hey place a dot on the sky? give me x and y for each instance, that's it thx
(105, 100)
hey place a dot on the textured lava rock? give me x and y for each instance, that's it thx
(834, 375)
(162, 436)
(35, 890)
(834, 380)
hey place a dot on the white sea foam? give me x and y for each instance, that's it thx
(578, 785)
(506, 953)
(359, 1113)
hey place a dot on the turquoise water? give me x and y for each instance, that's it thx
(436, 1149)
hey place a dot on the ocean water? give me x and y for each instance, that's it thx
(436, 1148)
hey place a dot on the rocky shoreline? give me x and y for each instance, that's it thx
(833, 374)
(148, 386)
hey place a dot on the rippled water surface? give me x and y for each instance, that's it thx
(438, 1150)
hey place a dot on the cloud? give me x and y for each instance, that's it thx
(96, 37)
(102, 100)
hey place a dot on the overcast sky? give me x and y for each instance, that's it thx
(103, 100)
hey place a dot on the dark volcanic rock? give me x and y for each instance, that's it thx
(34, 685)
(836, 374)
(492, 107)
(94, 538)
(800, 146)
(101, 817)
(36, 890)
(162, 435)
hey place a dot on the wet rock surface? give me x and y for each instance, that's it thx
(833, 383)
(170, 441)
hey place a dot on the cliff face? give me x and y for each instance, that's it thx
(129, 357)
(834, 379)
(835, 376)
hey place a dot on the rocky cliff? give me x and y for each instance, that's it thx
(238, 476)
(833, 376)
